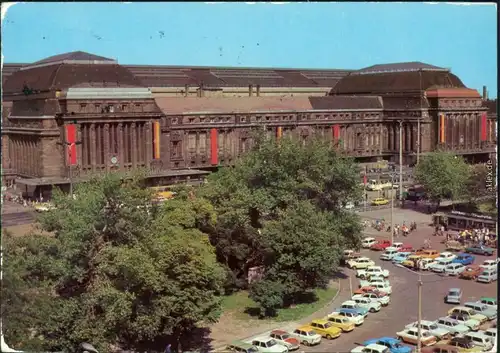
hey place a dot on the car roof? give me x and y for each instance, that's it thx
(319, 321)
(377, 347)
(488, 298)
(455, 289)
(336, 316)
(388, 339)
(278, 332)
(262, 338)
(304, 328)
(364, 258)
(349, 302)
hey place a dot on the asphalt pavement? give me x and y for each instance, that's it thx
(402, 309)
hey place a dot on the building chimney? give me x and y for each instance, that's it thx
(485, 93)
(250, 90)
(258, 90)
(186, 91)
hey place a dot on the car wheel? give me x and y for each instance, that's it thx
(362, 276)
(372, 310)
(328, 337)
(305, 343)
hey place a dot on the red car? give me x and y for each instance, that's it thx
(406, 248)
(291, 342)
(381, 245)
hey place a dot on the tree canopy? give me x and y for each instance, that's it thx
(280, 207)
(444, 175)
(118, 272)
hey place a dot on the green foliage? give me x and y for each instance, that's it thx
(282, 200)
(443, 175)
(478, 184)
(269, 296)
(119, 271)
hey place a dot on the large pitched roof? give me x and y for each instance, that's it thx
(63, 76)
(73, 56)
(395, 67)
(395, 82)
(227, 105)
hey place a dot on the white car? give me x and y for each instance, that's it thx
(425, 263)
(489, 264)
(446, 255)
(269, 345)
(372, 271)
(351, 304)
(440, 265)
(353, 317)
(368, 242)
(395, 246)
(371, 348)
(366, 303)
(489, 302)
(381, 286)
(453, 326)
(438, 332)
(454, 269)
(410, 335)
(491, 333)
(360, 262)
(383, 300)
(388, 254)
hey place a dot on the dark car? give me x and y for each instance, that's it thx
(461, 343)
(479, 250)
(440, 348)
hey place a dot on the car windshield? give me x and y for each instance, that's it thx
(472, 312)
(285, 336)
(453, 323)
(271, 343)
(311, 333)
(433, 327)
(454, 293)
(252, 350)
(425, 334)
(328, 324)
(484, 308)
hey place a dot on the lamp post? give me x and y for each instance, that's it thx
(418, 118)
(400, 160)
(419, 315)
(393, 176)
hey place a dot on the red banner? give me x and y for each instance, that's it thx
(71, 143)
(214, 157)
(484, 127)
(336, 132)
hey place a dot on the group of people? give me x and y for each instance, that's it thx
(403, 229)
(474, 236)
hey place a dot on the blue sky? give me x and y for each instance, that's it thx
(306, 35)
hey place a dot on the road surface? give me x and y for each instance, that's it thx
(17, 218)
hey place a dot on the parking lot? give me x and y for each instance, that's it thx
(403, 308)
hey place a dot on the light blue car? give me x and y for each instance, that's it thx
(400, 257)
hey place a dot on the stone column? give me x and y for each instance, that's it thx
(149, 143)
(79, 147)
(134, 145)
(121, 157)
(106, 147)
(93, 141)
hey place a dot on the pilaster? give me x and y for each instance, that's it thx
(93, 142)
(106, 147)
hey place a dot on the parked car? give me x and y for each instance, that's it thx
(466, 320)
(372, 307)
(487, 276)
(285, 339)
(425, 263)
(350, 255)
(352, 315)
(381, 298)
(464, 259)
(468, 311)
(307, 336)
(372, 271)
(368, 242)
(446, 255)
(411, 261)
(438, 266)
(389, 254)
(362, 262)
(325, 329)
(489, 264)
(381, 285)
(432, 254)
(440, 348)
(341, 322)
(393, 344)
(454, 269)
(491, 333)
(380, 245)
(454, 296)
(396, 245)
(410, 335)
(472, 272)
(400, 257)
(372, 348)
(481, 340)
(438, 332)
(464, 345)
(480, 250)
(489, 302)
(351, 304)
(240, 346)
(268, 345)
(406, 248)
(482, 309)
(455, 327)
(379, 201)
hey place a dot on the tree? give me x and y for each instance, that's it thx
(478, 184)
(266, 183)
(443, 175)
(118, 272)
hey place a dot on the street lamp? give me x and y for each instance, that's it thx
(393, 176)
(400, 160)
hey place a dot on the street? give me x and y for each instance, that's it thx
(14, 214)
